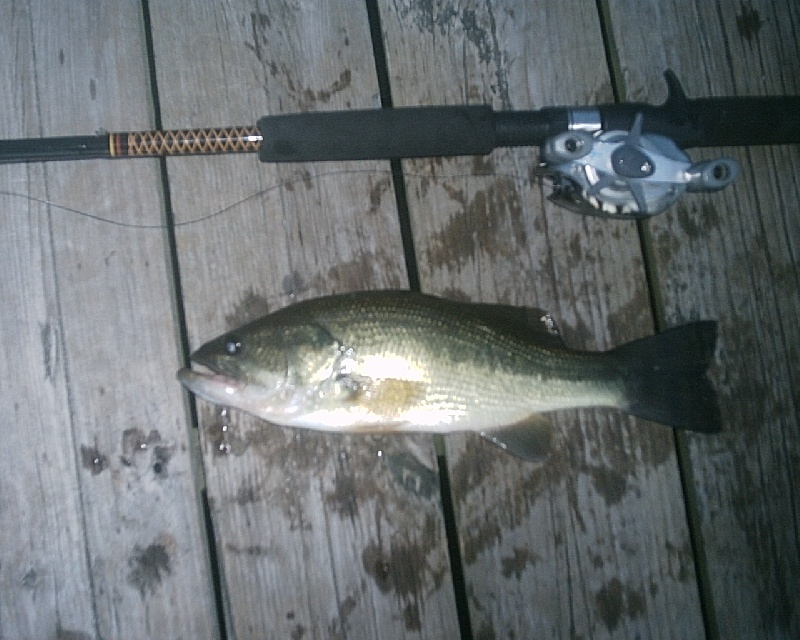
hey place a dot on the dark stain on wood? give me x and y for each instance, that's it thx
(162, 454)
(483, 165)
(430, 17)
(31, 580)
(293, 283)
(290, 454)
(345, 79)
(481, 535)
(748, 380)
(254, 550)
(609, 483)
(361, 272)
(251, 306)
(681, 561)
(482, 225)
(150, 564)
(303, 175)
(364, 478)
(219, 434)
(247, 494)
(338, 627)
(136, 445)
(93, 460)
(775, 576)
(480, 466)
(633, 317)
(412, 475)
(615, 600)
(451, 293)
(410, 565)
(516, 564)
(284, 447)
(307, 98)
(343, 499)
(698, 220)
(48, 335)
(658, 447)
(404, 569)
(70, 634)
(486, 631)
(748, 22)
(477, 467)
(480, 38)
(609, 445)
(260, 45)
(259, 23)
(377, 189)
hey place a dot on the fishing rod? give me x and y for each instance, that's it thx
(614, 160)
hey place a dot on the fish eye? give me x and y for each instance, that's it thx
(233, 346)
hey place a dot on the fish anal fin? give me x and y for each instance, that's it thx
(530, 439)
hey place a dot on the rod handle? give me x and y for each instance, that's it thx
(371, 134)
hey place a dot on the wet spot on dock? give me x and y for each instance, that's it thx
(92, 460)
(615, 600)
(150, 565)
(252, 305)
(748, 22)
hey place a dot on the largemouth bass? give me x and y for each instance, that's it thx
(391, 361)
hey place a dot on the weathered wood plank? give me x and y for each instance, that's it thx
(41, 550)
(734, 256)
(318, 536)
(102, 534)
(593, 543)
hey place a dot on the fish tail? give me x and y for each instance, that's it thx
(665, 377)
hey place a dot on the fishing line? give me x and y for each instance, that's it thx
(262, 192)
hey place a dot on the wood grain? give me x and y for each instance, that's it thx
(102, 531)
(733, 256)
(594, 542)
(318, 536)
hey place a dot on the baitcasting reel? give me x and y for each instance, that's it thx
(626, 174)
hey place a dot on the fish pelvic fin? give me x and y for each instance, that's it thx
(665, 377)
(530, 439)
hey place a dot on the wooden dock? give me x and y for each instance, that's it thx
(127, 511)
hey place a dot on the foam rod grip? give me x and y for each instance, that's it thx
(371, 134)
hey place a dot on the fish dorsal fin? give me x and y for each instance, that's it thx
(520, 322)
(531, 439)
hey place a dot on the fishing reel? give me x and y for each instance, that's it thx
(626, 174)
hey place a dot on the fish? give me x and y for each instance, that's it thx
(392, 361)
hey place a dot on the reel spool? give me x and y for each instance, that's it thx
(626, 174)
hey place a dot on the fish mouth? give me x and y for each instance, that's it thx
(209, 384)
(224, 391)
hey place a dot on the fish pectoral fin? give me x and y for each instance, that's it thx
(531, 439)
